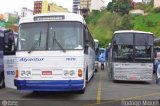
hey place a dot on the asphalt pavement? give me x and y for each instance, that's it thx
(100, 91)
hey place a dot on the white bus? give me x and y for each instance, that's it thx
(131, 56)
(55, 52)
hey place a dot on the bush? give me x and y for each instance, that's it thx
(157, 10)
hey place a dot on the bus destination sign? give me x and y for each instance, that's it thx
(45, 18)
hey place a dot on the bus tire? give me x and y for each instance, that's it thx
(82, 91)
(85, 82)
(86, 76)
(110, 78)
(2, 80)
(95, 70)
(93, 75)
(36, 92)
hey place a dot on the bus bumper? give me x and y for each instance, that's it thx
(49, 85)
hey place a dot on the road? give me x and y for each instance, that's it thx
(99, 90)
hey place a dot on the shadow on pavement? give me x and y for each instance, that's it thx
(51, 95)
(132, 82)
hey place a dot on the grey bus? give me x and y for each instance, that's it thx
(131, 56)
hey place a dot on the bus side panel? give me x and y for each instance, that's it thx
(9, 70)
(89, 62)
(1, 54)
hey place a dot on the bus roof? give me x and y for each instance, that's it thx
(102, 48)
(59, 16)
(131, 31)
(156, 39)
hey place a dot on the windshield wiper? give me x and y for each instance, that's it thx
(54, 39)
(35, 43)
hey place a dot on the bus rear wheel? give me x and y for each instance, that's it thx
(95, 70)
(110, 76)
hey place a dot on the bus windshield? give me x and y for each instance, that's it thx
(50, 36)
(132, 47)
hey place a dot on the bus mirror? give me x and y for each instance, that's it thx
(86, 49)
(86, 36)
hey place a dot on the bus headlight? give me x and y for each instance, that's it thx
(72, 73)
(25, 73)
(66, 73)
(28, 73)
(69, 73)
(22, 73)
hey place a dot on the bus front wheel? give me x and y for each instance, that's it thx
(85, 82)
(82, 91)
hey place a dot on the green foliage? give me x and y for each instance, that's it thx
(11, 20)
(120, 6)
(93, 17)
(156, 10)
(149, 23)
(115, 17)
(125, 23)
(2, 23)
(103, 24)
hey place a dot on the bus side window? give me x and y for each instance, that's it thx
(86, 41)
(9, 43)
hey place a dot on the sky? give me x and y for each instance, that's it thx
(16, 5)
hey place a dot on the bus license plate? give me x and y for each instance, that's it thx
(46, 73)
(133, 78)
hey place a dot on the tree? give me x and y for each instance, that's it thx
(109, 6)
(125, 23)
(120, 6)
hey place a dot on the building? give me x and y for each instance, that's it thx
(137, 12)
(37, 7)
(85, 6)
(52, 7)
(76, 6)
(97, 4)
(45, 7)
(156, 3)
(146, 1)
(1, 17)
(26, 12)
